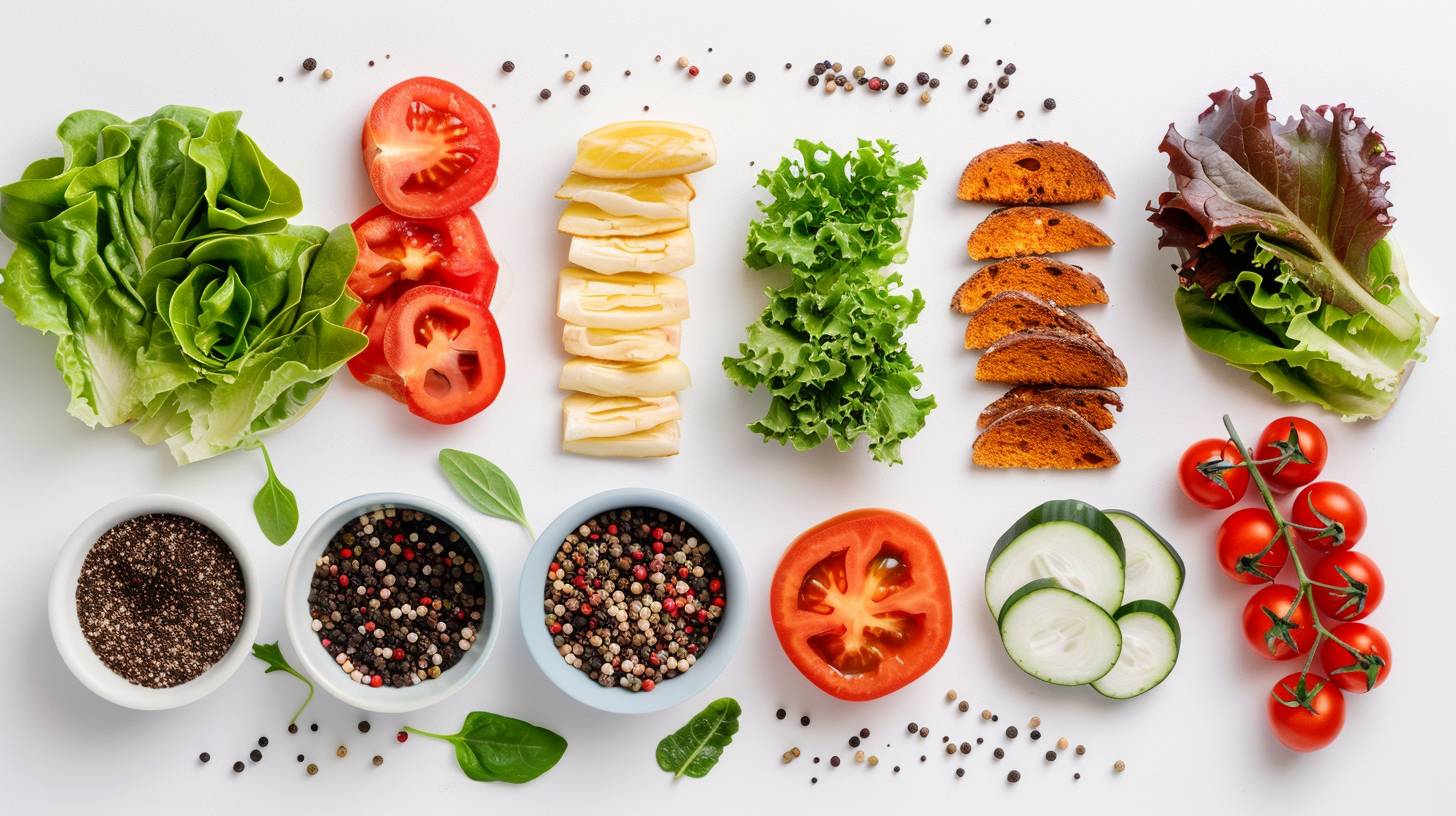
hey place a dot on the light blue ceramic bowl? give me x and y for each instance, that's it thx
(670, 692)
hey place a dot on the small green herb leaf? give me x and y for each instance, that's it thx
(272, 655)
(492, 748)
(486, 487)
(695, 748)
(275, 506)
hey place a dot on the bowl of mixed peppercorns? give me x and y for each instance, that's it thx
(633, 600)
(390, 603)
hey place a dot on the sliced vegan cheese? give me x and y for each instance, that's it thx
(605, 378)
(667, 252)
(580, 218)
(644, 149)
(660, 441)
(665, 197)
(585, 416)
(635, 346)
(624, 301)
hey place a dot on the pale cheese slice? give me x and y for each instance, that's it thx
(592, 221)
(605, 378)
(667, 252)
(623, 302)
(665, 197)
(585, 416)
(635, 346)
(663, 440)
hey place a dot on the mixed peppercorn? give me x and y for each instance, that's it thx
(633, 597)
(397, 598)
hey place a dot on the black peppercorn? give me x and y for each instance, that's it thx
(922, 78)
(965, 59)
(999, 753)
(986, 100)
(293, 728)
(300, 757)
(1035, 734)
(238, 766)
(973, 83)
(204, 757)
(780, 714)
(902, 89)
(804, 720)
(820, 68)
(864, 733)
(1049, 103)
(813, 80)
(262, 742)
(960, 772)
(280, 79)
(1010, 68)
(1003, 81)
(1051, 756)
(508, 66)
(255, 755)
(584, 90)
(854, 742)
(965, 747)
(1013, 777)
(750, 76)
(1021, 114)
(313, 727)
(924, 731)
(1076, 776)
(788, 65)
(310, 64)
(934, 82)
(912, 727)
(834, 761)
(1011, 732)
(545, 93)
(363, 726)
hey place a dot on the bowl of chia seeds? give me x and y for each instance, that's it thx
(390, 603)
(153, 602)
(633, 600)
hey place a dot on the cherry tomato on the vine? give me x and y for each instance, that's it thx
(1306, 711)
(1363, 669)
(1209, 476)
(1298, 449)
(1275, 626)
(1361, 586)
(1242, 541)
(1334, 514)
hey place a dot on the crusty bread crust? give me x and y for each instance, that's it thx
(1012, 231)
(1061, 283)
(1051, 357)
(1033, 172)
(1043, 437)
(1090, 403)
(1016, 311)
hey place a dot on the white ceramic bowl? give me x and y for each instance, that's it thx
(316, 660)
(66, 625)
(669, 692)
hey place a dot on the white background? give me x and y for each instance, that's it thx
(1119, 74)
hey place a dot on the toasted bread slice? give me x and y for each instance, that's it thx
(1051, 357)
(1061, 283)
(1015, 311)
(1043, 437)
(1033, 172)
(1090, 403)
(1012, 231)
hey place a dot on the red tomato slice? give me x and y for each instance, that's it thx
(446, 349)
(395, 250)
(430, 148)
(861, 603)
(369, 366)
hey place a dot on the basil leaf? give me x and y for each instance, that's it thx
(492, 748)
(484, 486)
(275, 507)
(695, 748)
(272, 655)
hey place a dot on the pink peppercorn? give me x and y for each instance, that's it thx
(693, 70)
(648, 685)
(343, 580)
(401, 736)
(376, 681)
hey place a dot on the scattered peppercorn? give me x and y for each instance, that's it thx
(995, 717)
(925, 97)
(864, 733)
(300, 758)
(922, 757)
(924, 731)
(973, 83)
(1081, 749)
(310, 64)
(255, 755)
(378, 760)
(912, 727)
(873, 760)
(988, 21)
(750, 77)
(1035, 734)
(328, 73)
(1033, 722)
(1003, 81)
(204, 757)
(1011, 732)
(692, 70)
(238, 766)
(780, 714)
(584, 90)
(859, 757)
(813, 80)
(312, 769)
(280, 79)
(1061, 743)
(568, 76)
(1013, 777)
(342, 751)
(727, 79)
(960, 772)
(1049, 104)
(986, 714)
(401, 736)
(1010, 68)
(965, 59)
(945, 739)
(508, 66)
(262, 742)
(922, 78)
(1076, 776)
(804, 720)
(313, 727)
(834, 762)
(836, 67)
(946, 50)
(854, 742)
(964, 706)
(586, 65)
(980, 740)
(1051, 756)
(627, 72)
(293, 728)
(999, 753)
(1119, 766)
(896, 769)
(1021, 114)
(682, 62)
(965, 747)
(902, 89)
(949, 748)
(998, 62)
(364, 726)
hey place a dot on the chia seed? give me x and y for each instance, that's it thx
(160, 599)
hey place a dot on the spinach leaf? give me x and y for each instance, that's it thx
(492, 748)
(486, 487)
(272, 655)
(275, 506)
(695, 748)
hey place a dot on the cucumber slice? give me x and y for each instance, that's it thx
(1150, 641)
(1058, 636)
(1154, 569)
(1068, 540)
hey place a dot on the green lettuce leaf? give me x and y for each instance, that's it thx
(158, 252)
(1287, 270)
(829, 347)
